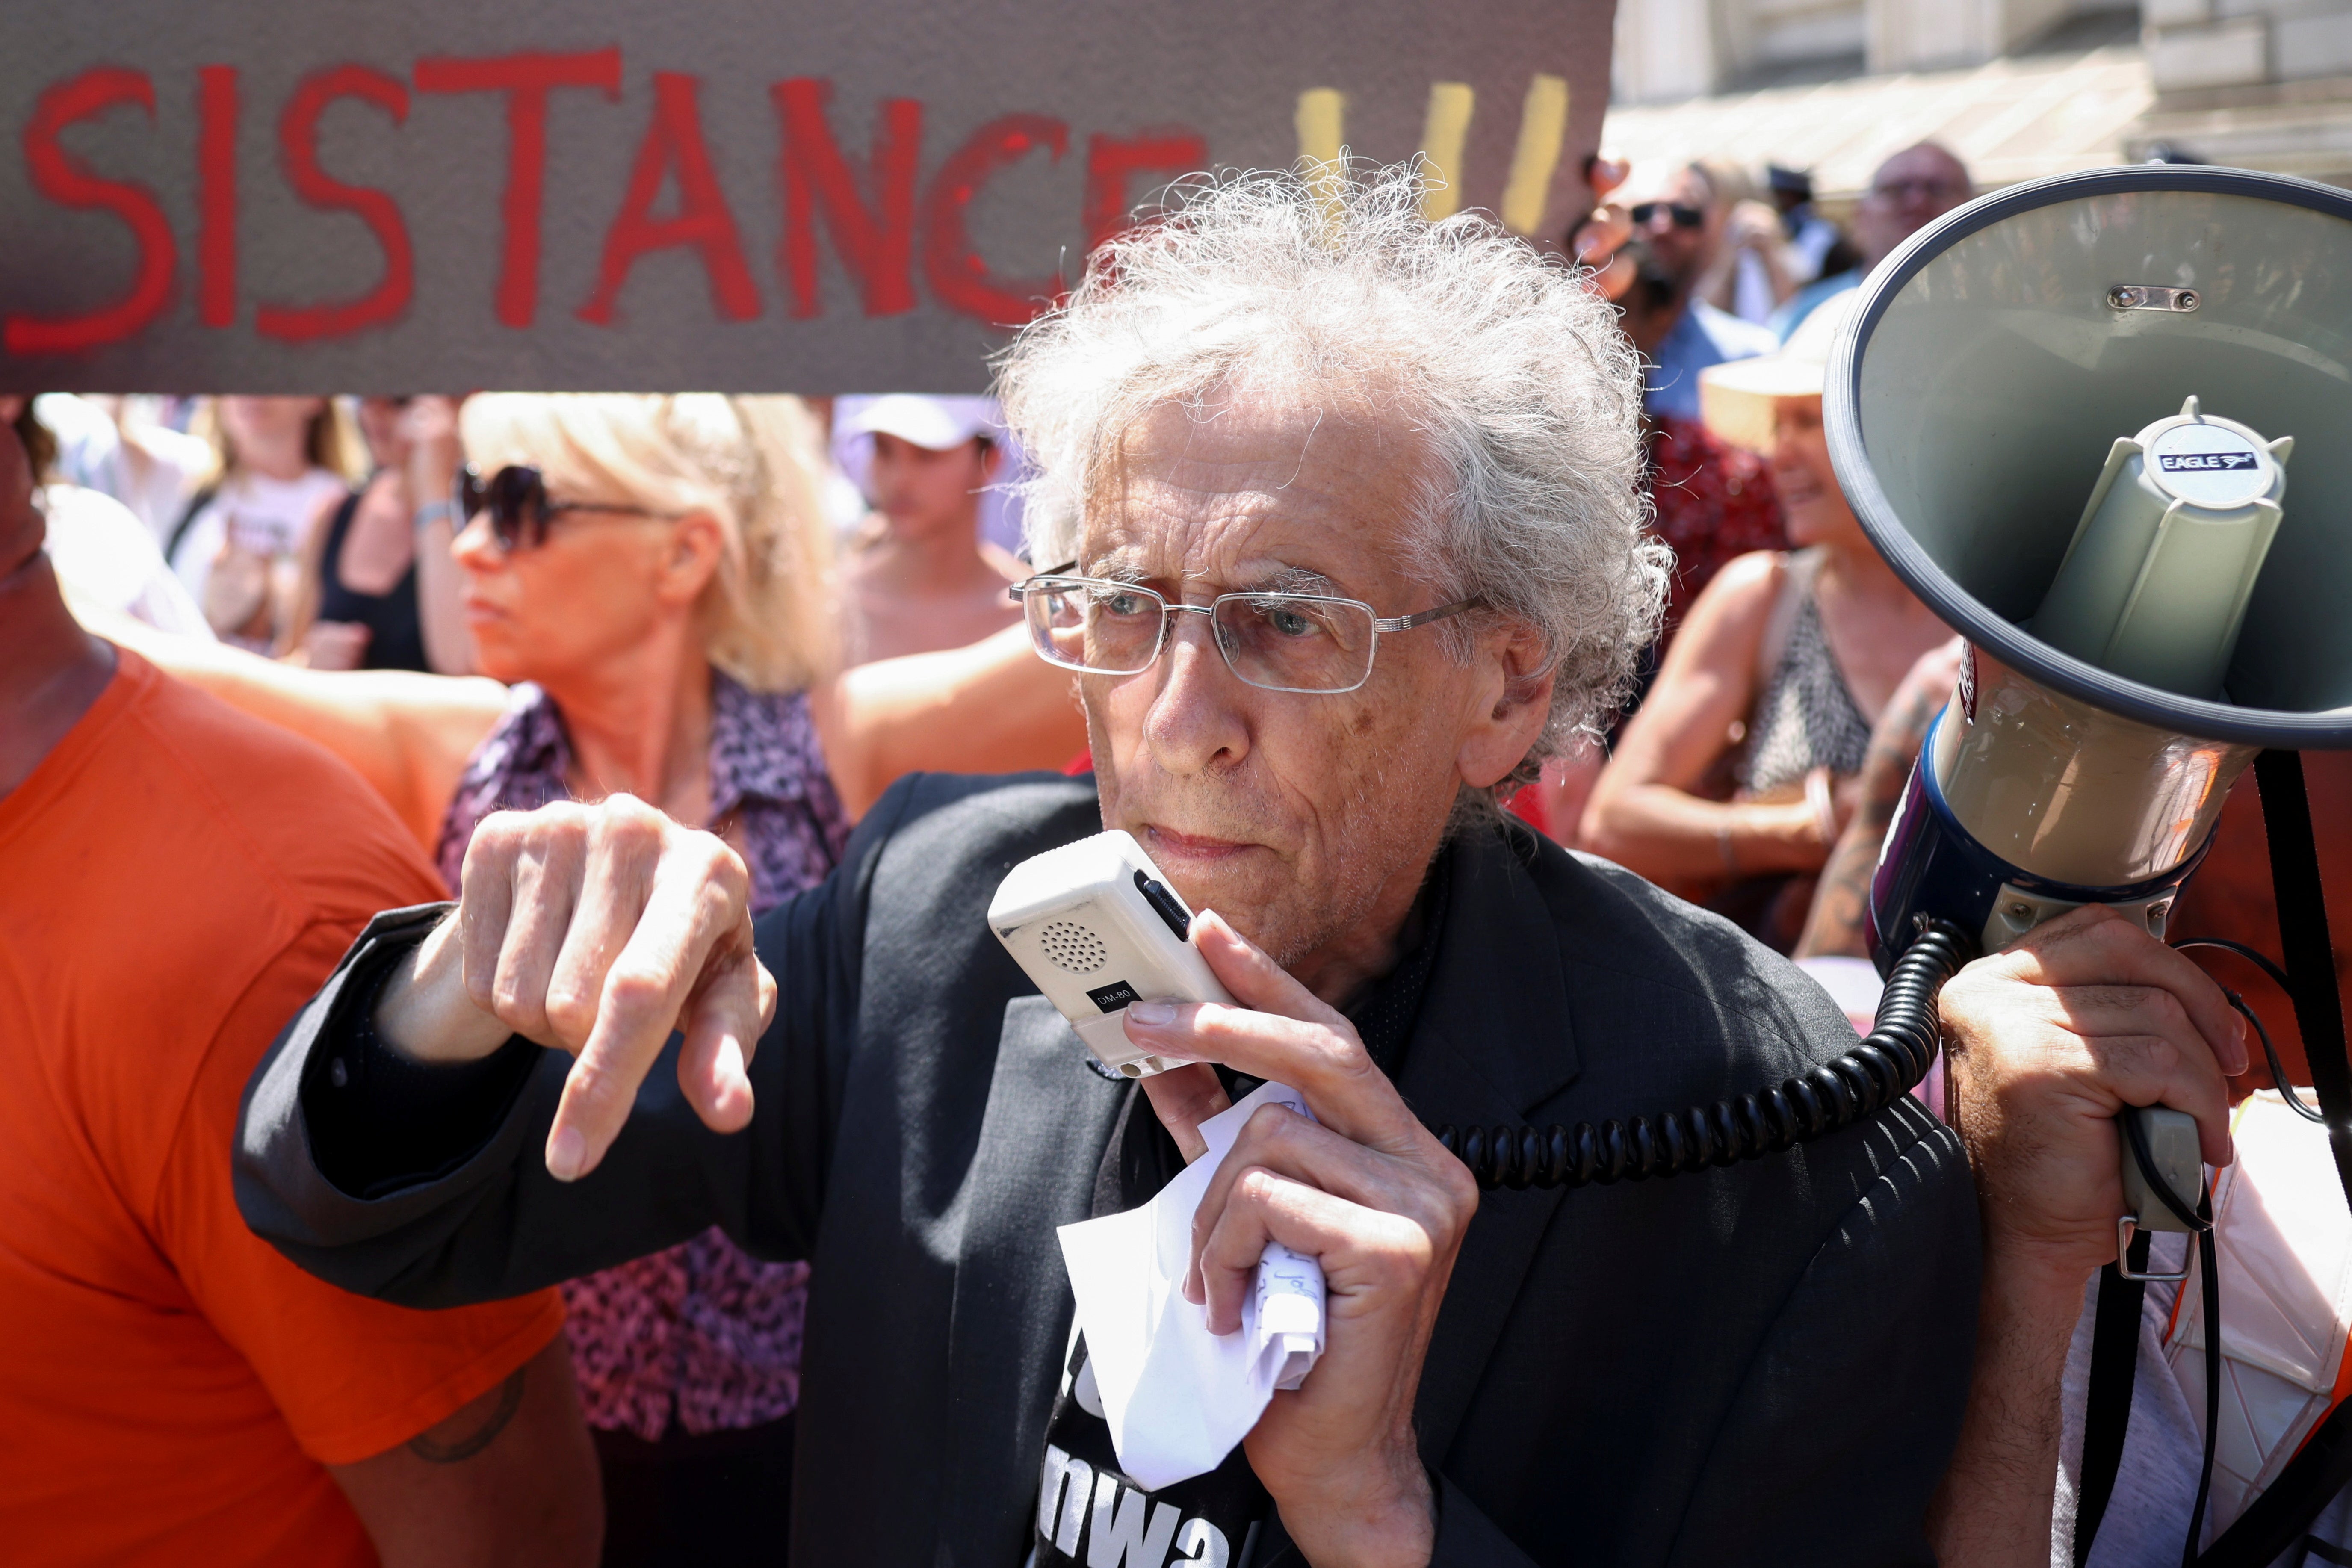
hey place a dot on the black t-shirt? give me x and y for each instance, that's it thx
(1088, 1511)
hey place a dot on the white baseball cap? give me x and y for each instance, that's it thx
(937, 423)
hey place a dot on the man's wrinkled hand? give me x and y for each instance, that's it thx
(1366, 1190)
(595, 930)
(2049, 1040)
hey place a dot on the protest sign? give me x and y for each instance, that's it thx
(259, 196)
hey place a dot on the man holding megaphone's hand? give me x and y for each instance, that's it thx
(2049, 1040)
(2037, 1099)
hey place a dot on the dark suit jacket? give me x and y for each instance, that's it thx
(1758, 1364)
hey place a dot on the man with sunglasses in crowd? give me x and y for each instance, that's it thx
(1678, 215)
(1343, 519)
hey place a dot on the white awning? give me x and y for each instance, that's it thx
(2017, 118)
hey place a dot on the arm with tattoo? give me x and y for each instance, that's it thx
(509, 1479)
(475, 1430)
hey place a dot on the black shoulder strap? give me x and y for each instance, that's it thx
(337, 526)
(2303, 943)
(2275, 1520)
(188, 514)
(2106, 1406)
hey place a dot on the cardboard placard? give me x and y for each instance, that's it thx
(262, 196)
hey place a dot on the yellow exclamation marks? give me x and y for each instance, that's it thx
(1543, 125)
(1443, 132)
(1322, 128)
(1322, 132)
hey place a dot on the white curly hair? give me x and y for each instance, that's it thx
(1507, 367)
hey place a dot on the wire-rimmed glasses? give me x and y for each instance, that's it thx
(1313, 643)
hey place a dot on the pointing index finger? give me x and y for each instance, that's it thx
(693, 919)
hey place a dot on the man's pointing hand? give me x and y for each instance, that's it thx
(595, 930)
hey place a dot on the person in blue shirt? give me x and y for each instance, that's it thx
(1678, 215)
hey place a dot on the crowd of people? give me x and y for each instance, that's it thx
(654, 686)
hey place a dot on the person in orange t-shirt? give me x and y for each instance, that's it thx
(175, 878)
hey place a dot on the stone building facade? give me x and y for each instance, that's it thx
(1690, 49)
(2262, 84)
(2020, 87)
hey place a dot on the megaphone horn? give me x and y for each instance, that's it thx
(2065, 414)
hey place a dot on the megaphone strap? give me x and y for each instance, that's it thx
(2107, 1403)
(2321, 1469)
(2304, 941)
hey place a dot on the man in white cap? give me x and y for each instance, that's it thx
(919, 575)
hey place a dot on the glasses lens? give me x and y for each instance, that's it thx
(1644, 214)
(1295, 642)
(516, 503)
(1109, 629)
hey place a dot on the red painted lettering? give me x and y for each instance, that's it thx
(298, 145)
(216, 112)
(876, 243)
(526, 79)
(70, 182)
(957, 274)
(1110, 160)
(674, 144)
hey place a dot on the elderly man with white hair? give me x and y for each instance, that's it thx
(1345, 536)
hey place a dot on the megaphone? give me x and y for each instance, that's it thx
(2065, 414)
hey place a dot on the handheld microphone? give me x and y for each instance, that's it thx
(1096, 925)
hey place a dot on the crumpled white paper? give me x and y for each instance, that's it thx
(1177, 1397)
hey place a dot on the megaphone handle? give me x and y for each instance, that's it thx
(2158, 1158)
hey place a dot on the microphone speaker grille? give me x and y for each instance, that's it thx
(1073, 947)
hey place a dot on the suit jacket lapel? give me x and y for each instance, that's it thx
(1493, 1043)
(1041, 1139)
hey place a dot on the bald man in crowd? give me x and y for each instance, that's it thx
(1910, 191)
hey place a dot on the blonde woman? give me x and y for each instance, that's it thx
(645, 574)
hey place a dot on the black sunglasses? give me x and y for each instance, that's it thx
(1644, 213)
(516, 499)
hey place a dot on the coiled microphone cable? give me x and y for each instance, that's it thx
(1885, 1065)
